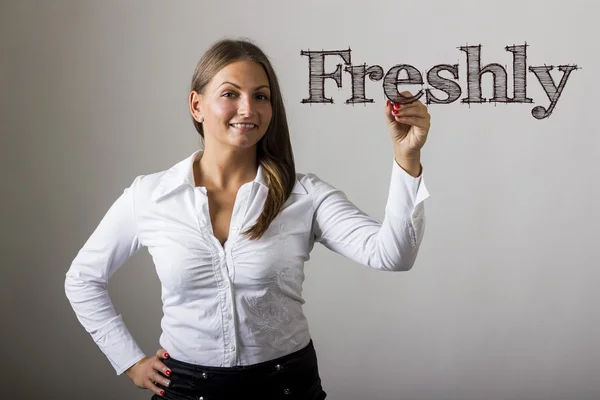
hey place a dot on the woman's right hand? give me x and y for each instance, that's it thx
(147, 372)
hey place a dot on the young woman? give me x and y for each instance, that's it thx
(229, 229)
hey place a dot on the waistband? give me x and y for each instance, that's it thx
(303, 357)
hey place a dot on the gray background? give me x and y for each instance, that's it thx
(502, 302)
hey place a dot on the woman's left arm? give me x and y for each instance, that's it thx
(392, 244)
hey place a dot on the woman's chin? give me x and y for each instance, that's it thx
(242, 143)
(245, 140)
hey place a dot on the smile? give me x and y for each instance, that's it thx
(244, 126)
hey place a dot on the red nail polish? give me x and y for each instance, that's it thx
(168, 372)
(396, 106)
(166, 355)
(162, 392)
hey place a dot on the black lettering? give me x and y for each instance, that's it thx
(451, 88)
(317, 75)
(519, 73)
(391, 82)
(358, 72)
(553, 92)
(474, 74)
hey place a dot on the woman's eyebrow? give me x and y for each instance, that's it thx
(239, 87)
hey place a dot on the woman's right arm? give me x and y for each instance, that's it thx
(113, 241)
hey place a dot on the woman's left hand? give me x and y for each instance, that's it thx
(409, 125)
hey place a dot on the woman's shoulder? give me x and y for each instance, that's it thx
(155, 185)
(147, 185)
(313, 183)
(148, 181)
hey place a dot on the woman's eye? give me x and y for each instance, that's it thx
(258, 96)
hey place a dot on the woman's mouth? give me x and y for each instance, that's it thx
(244, 127)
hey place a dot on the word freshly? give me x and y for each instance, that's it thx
(474, 74)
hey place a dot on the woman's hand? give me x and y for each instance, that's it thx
(147, 372)
(409, 125)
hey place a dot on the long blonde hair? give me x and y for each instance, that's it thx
(274, 149)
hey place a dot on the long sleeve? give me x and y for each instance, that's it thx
(390, 245)
(107, 249)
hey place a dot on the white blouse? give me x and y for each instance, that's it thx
(240, 303)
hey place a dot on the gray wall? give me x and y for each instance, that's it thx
(502, 302)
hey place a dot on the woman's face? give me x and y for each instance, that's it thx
(235, 105)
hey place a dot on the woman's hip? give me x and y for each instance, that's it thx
(294, 376)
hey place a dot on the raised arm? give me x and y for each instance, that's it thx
(392, 244)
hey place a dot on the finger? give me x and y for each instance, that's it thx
(162, 353)
(153, 388)
(159, 380)
(414, 121)
(392, 109)
(411, 112)
(416, 109)
(420, 107)
(161, 367)
(388, 111)
(408, 95)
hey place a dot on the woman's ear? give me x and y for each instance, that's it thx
(195, 103)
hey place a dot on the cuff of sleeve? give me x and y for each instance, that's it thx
(406, 192)
(128, 364)
(119, 347)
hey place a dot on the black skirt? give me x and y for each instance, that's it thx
(295, 376)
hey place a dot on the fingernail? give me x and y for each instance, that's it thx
(396, 105)
(395, 111)
(162, 392)
(168, 372)
(166, 354)
(167, 383)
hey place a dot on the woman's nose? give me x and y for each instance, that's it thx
(245, 106)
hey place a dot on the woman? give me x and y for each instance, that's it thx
(229, 229)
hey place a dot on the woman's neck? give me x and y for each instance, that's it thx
(225, 169)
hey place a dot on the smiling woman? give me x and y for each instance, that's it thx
(229, 229)
(234, 107)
